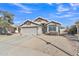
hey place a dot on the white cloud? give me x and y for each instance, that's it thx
(73, 13)
(66, 15)
(49, 4)
(58, 13)
(74, 5)
(61, 8)
(69, 12)
(24, 9)
(21, 6)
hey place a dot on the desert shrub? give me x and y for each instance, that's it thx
(72, 30)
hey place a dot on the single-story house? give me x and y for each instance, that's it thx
(40, 26)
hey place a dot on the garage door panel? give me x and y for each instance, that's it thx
(29, 31)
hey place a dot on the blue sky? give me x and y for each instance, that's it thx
(64, 13)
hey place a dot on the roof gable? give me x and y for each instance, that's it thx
(54, 22)
(38, 22)
(39, 19)
(28, 23)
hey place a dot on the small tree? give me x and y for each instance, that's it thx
(73, 30)
(5, 20)
(7, 16)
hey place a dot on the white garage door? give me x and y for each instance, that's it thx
(29, 31)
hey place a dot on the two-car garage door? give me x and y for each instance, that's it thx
(29, 31)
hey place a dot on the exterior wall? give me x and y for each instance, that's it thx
(40, 22)
(40, 30)
(57, 28)
(47, 28)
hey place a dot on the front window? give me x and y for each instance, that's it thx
(52, 28)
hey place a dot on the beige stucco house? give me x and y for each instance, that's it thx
(40, 26)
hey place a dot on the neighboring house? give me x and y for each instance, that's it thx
(40, 26)
(9, 29)
(63, 30)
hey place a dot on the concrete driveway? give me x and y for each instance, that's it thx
(58, 43)
(11, 45)
(17, 45)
